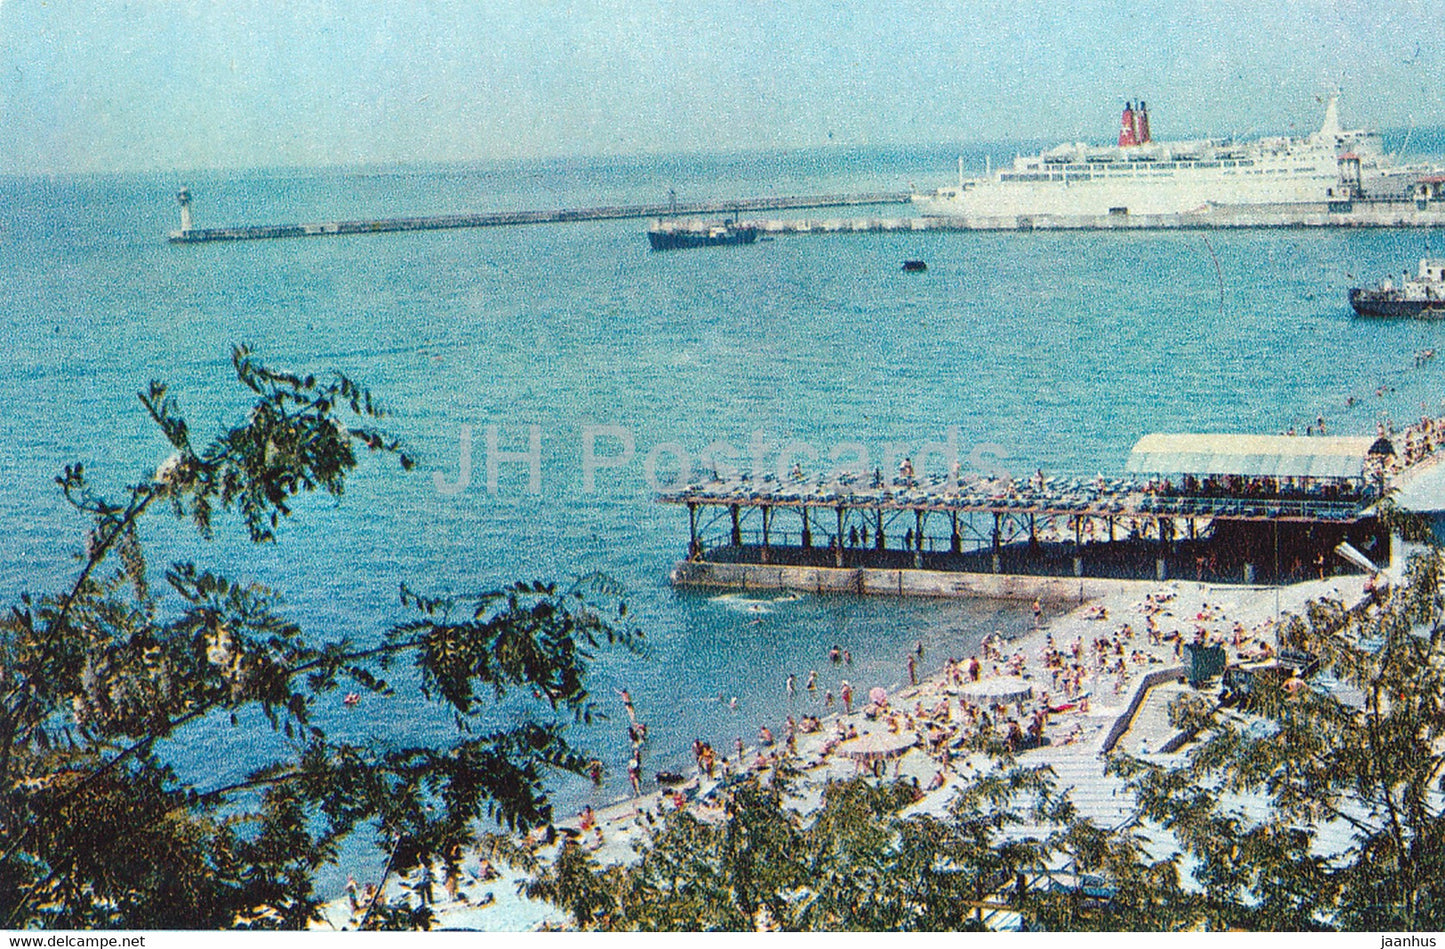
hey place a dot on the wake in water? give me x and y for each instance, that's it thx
(756, 606)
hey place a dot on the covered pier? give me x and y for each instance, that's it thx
(1220, 508)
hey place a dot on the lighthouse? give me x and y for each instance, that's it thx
(183, 198)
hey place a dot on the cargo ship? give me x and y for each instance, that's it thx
(1329, 170)
(1422, 295)
(682, 235)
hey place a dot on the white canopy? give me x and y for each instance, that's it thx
(1001, 689)
(1271, 456)
(873, 745)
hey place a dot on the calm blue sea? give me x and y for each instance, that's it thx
(1058, 351)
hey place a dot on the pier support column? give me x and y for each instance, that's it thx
(737, 535)
(767, 522)
(878, 541)
(807, 529)
(838, 548)
(918, 538)
(1249, 574)
(694, 549)
(955, 540)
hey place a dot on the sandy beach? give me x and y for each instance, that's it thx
(1096, 679)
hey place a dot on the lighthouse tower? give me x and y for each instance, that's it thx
(183, 197)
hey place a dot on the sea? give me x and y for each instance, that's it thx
(1032, 351)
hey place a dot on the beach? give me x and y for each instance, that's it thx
(1096, 680)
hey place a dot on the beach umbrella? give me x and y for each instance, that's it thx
(875, 745)
(999, 690)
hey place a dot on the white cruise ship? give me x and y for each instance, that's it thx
(1139, 176)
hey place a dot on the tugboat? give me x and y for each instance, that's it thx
(1422, 295)
(683, 235)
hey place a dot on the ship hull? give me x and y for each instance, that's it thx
(1386, 304)
(1130, 191)
(683, 239)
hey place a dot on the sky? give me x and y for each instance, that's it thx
(159, 85)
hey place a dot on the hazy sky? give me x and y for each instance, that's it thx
(91, 85)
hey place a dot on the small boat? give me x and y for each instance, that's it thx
(914, 266)
(1421, 295)
(683, 235)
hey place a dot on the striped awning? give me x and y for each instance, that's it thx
(1266, 456)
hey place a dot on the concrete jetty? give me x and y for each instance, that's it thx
(189, 234)
(1354, 213)
(1360, 213)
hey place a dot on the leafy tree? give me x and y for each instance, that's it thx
(1298, 808)
(855, 864)
(1308, 811)
(97, 828)
(696, 875)
(1112, 883)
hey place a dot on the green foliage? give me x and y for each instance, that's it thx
(1298, 809)
(854, 864)
(96, 829)
(1407, 524)
(1312, 812)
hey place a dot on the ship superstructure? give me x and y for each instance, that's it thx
(1420, 295)
(1141, 176)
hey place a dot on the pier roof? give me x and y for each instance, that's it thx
(1058, 497)
(1271, 456)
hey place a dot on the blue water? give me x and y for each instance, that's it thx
(1056, 350)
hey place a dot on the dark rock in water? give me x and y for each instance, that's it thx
(669, 777)
(914, 266)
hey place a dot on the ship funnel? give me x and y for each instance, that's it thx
(1127, 134)
(1141, 124)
